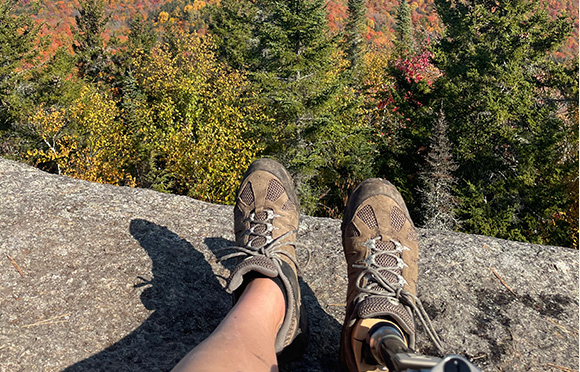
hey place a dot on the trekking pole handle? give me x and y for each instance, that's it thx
(389, 348)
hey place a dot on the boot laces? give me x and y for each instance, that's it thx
(261, 243)
(377, 285)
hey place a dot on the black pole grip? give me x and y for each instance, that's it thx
(389, 348)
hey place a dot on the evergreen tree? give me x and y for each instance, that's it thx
(17, 49)
(506, 133)
(232, 22)
(92, 61)
(142, 37)
(316, 128)
(20, 44)
(296, 69)
(355, 27)
(406, 118)
(404, 41)
(437, 195)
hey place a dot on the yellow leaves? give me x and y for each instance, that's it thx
(49, 126)
(195, 7)
(163, 17)
(376, 76)
(105, 148)
(200, 120)
(94, 146)
(189, 126)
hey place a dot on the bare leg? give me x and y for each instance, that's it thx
(244, 340)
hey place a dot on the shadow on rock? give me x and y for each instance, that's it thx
(188, 304)
(322, 352)
(218, 246)
(184, 314)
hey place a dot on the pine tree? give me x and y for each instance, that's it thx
(439, 204)
(354, 29)
(506, 133)
(92, 61)
(404, 41)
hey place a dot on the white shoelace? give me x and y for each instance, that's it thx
(370, 270)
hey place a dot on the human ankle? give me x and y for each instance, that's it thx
(267, 299)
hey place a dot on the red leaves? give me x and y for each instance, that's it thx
(415, 68)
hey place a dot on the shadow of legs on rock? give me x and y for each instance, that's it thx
(187, 302)
(322, 352)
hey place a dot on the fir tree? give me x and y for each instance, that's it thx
(142, 37)
(232, 23)
(17, 49)
(439, 204)
(294, 56)
(505, 130)
(404, 42)
(355, 47)
(88, 44)
(20, 44)
(295, 64)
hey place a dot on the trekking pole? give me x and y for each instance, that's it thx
(388, 347)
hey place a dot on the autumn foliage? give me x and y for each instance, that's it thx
(469, 108)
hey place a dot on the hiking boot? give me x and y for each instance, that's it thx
(266, 217)
(381, 250)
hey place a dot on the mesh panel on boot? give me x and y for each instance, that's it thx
(351, 230)
(260, 229)
(261, 216)
(367, 215)
(389, 276)
(385, 246)
(247, 194)
(386, 260)
(258, 241)
(275, 190)
(397, 219)
(382, 306)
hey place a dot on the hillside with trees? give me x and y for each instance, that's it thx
(58, 18)
(472, 113)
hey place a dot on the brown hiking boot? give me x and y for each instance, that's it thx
(381, 249)
(266, 217)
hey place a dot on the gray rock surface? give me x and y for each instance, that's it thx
(102, 278)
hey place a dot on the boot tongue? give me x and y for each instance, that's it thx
(259, 228)
(384, 261)
(261, 216)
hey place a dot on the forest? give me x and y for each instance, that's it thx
(470, 107)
